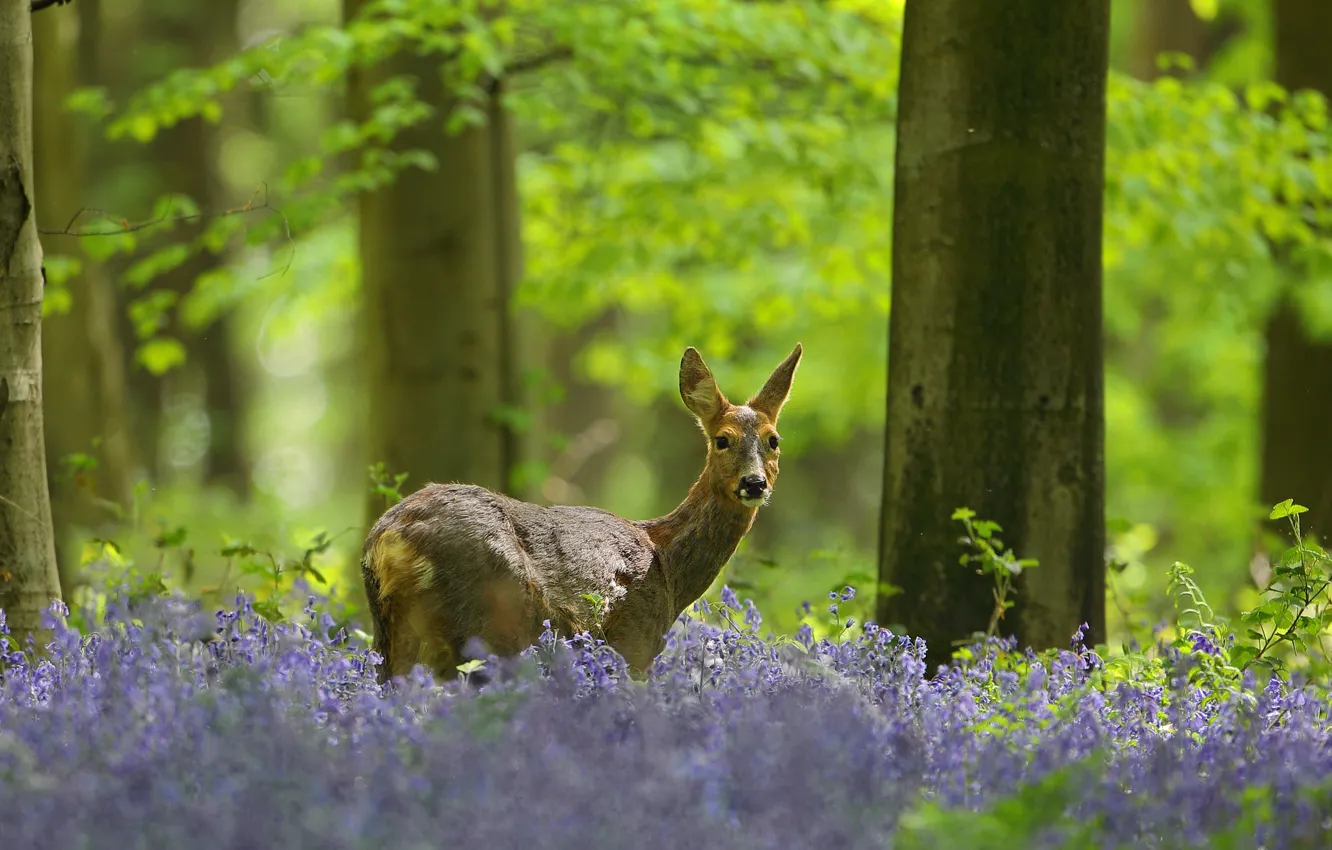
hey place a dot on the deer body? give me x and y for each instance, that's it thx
(456, 561)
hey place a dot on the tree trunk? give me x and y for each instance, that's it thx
(101, 58)
(586, 416)
(84, 381)
(1161, 26)
(439, 256)
(1297, 376)
(188, 153)
(28, 576)
(995, 385)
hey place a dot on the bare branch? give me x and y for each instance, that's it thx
(128, 227)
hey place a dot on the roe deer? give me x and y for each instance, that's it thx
(456, 561)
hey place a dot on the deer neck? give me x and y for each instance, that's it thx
(695, 540)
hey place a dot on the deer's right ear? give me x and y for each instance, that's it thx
(698, 388)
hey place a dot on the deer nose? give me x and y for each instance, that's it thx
(753, 485)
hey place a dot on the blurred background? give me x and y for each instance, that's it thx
(202, 405)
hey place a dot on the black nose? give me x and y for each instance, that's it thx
(753, 485)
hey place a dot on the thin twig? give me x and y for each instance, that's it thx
(249, 207)
(126, 227)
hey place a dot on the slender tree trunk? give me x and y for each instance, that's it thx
(439, 257)
(585, 416)
(84, 382)
(28, 576)
(1161, 26)
(101, 58)
(1297, 375)
(188, 153)
(995, 386)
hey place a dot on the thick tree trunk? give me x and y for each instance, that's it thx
(995, 387)
(84, 381)
(28, 576)
(439, 256)
(1297, 376)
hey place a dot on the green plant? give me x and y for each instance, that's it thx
(992, 559)
(1294, 617)
(386, 486)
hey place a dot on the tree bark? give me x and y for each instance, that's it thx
(1297, 375)
(28, 576)
(84, 380)
(995, 384)
(439, 256)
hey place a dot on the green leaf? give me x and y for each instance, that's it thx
(234, 548)
(160, 355)
(1287, 508)
(170, 539)
(1242, 655)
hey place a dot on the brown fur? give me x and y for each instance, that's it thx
(456, 561)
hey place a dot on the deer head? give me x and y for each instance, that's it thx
(743, 443)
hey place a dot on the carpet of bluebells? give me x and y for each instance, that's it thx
(169, 726)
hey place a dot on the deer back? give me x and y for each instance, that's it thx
(453, 561)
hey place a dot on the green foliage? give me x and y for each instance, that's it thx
(158, 557)
(1289, 627)
(1292, 622)
(1011, 822)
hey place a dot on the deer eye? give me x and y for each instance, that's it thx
(721, 442)
(773, 441)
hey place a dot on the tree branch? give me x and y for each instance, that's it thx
(535, 63)
(129, 227)
(38, 5)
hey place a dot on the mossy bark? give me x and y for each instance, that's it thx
(995, 381)
(28, 576)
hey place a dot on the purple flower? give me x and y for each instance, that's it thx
(142, 733)
(728, 598)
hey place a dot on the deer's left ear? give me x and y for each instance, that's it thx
(770, 399)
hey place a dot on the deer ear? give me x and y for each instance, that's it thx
(770, 399)
(698, 388)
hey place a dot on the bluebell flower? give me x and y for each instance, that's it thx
(728, 598)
